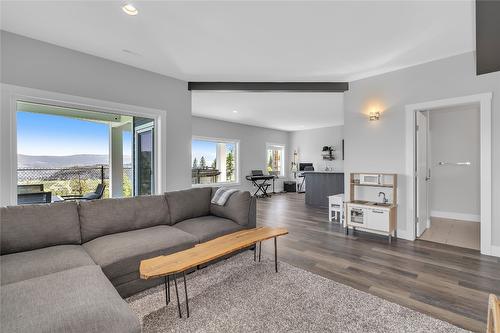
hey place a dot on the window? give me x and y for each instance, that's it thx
(67, 153)
(275, 162)
(214, 161)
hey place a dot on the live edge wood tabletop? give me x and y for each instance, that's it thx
(494, 315)
(169, 266)
(205, 252)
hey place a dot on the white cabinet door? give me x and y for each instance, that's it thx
(378, 219)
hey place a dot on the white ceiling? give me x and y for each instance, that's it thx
(278, 110)
(253, 40)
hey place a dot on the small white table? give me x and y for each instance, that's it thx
(336, 206)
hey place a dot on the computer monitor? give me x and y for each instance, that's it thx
(302, 166)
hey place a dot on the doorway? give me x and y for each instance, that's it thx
(448, 175)
(416, 225)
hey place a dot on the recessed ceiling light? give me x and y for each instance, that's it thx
(235, 111)
(129, 9)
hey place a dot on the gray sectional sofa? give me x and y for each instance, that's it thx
(64, 266)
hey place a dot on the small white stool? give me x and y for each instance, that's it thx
(336, 205)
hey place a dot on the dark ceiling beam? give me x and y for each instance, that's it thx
(270, 86)
(487, 36)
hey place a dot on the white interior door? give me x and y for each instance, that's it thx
(422, 172)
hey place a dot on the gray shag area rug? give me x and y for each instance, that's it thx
(240, 295)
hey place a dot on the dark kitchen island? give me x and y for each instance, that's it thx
(320, 185)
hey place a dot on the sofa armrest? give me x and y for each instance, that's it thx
(252, 213)
(240, 208)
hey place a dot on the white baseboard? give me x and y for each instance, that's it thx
(405, 235)
(495, 251)
(456, 216)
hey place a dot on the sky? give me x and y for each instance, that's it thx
(203, 148)
(49, 135)
(207, 149)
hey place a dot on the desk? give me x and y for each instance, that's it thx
(322, 184)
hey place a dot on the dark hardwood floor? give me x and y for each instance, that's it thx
(446, 282)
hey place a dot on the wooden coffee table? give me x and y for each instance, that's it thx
(179, 262)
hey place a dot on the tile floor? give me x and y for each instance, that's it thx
(453, 232)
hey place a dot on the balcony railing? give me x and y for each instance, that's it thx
(204, 175)
(72, 180)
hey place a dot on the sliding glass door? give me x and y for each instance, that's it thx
(144, 157)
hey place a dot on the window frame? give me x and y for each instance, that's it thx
(269, 146)
(237, 168)
(8, 120)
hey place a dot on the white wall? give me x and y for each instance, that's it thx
(454, 137)
(308, 144)
(253, 140)
(34, 64)
(380, 145)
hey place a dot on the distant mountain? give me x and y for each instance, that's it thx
(29, 161)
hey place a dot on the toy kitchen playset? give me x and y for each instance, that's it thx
(372, 205)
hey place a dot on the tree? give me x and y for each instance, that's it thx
(214, 164)
(203, 164)
(229, 165)
(195, 163)
(127, 186)
(270, 163)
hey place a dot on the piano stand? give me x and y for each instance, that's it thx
(261, 187)
(262, 184)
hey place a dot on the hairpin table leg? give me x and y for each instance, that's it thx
(276, 254)
(260, 250)
(167, 289)
(186, 292)
(177, 294)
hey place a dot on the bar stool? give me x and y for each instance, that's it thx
(336, 205)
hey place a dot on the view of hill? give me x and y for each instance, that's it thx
(29, 161)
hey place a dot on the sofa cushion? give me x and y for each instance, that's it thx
(208, 227)
(76, 300)
(188, 204)
(31, 227)
(133, 287)
(109, 216)
(21, 266)
(237, 208)
(120, 254)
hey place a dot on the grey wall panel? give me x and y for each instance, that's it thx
(379, 146)
(31, 63)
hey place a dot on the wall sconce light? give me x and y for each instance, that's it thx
(374, 116)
